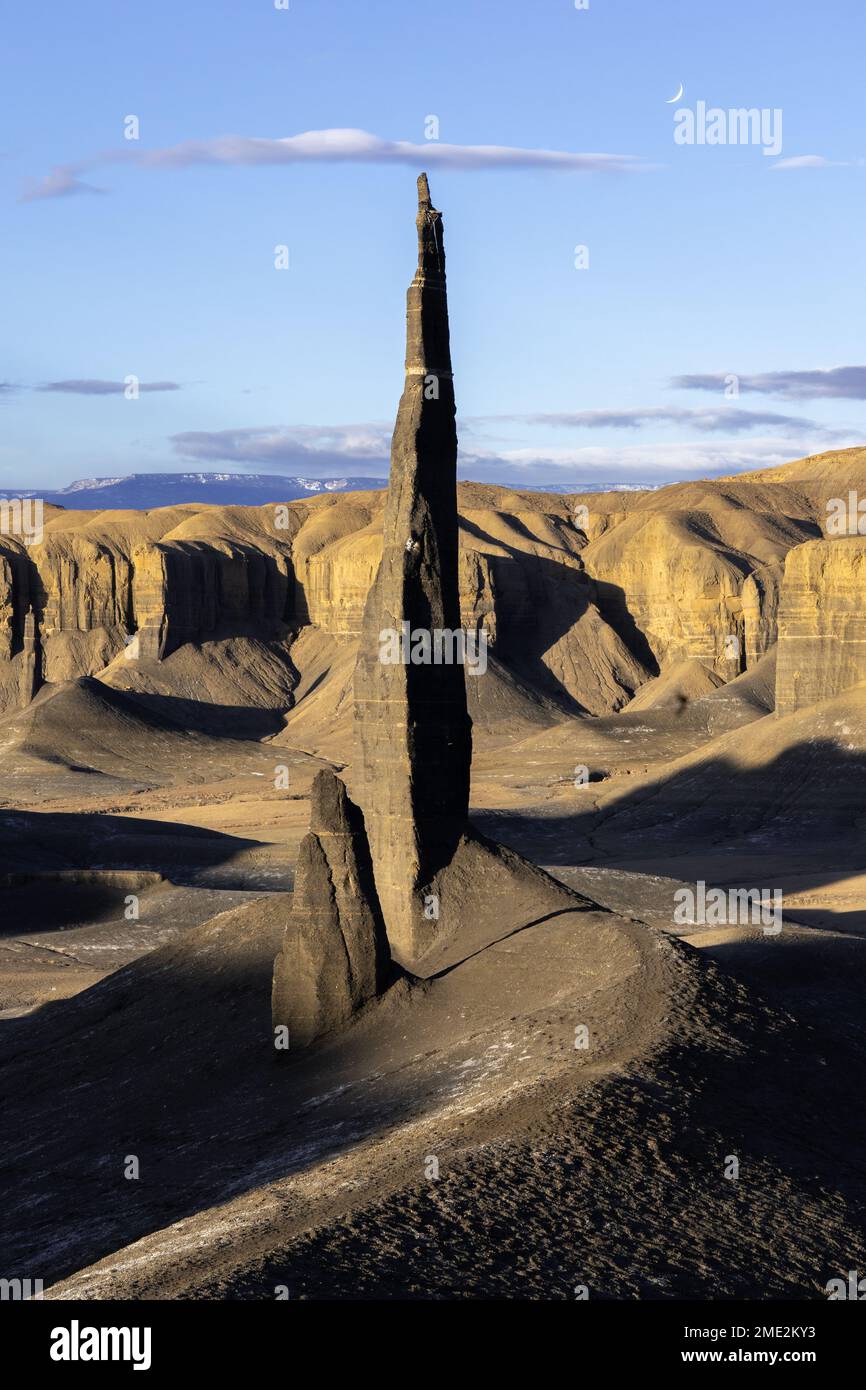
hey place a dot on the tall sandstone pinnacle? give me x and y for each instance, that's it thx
(445, 891)
(405, 876)
(413, 732)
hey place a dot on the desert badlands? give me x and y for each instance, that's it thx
(334, 966)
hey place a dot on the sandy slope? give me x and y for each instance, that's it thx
(556, 1169)
(675, 687)
(785, 780)
(174, 1051)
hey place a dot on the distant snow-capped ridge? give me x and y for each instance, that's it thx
(206, 479)
(147, 491)
(84, 483)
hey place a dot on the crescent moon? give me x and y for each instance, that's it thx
(677, 97)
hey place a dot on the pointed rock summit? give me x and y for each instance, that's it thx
(413, 732)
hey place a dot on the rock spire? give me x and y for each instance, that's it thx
(335, 954)
(413, 732)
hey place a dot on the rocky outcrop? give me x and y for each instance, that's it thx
(334, 957)
(28, 679)
(334, 576)
(822, 622)
(15, 598)
(681, 589)
(184, 591)
(89, 593)
(761, 610)
(678, 564)
(413, 730)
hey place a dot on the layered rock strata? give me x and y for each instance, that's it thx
(585, 596)
(822, 622)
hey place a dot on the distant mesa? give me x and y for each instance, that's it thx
(149, 491)
(145, 491)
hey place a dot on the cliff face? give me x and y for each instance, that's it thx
(191, 575)
(171, 577)
(822, 622)
(682, 591)
(183, 591)
(64, 609)
(335, 571)
(520, 577)
(15, 598)
(760, 598)
(680, 562)
(586, 596)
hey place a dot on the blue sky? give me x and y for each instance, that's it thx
(704, 261)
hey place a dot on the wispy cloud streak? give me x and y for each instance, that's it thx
(709, 420)
(319, 446)
(815, 161)
(845, 383)
(329, 146)
(88, 386)
(316, 450)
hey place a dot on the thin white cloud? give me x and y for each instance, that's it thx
(707, 419)
(89, 386)
(62, 182)
(337, 445)
(331, 146)
(815, 161)
(632, 464)
(817, 383)
(316, 450)
(305, 446)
